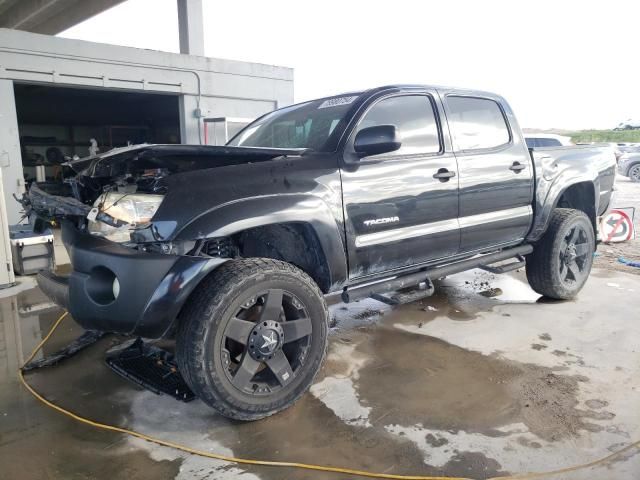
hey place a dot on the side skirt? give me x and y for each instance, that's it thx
(397, 282)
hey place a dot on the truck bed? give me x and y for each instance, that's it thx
(557, 167)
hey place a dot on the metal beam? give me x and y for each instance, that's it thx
(191, 27)
(49, 16)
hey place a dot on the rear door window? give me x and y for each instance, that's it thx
(477, 123)
(414, 119)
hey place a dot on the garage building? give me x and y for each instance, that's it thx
(61, 97)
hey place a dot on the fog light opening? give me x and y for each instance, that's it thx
(102, 286)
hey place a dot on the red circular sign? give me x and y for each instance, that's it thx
(616, 226)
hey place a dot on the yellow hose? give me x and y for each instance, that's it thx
(269, 463)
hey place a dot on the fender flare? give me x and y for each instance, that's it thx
(551, 192)
(236, 216)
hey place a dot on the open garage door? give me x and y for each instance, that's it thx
(59, 123)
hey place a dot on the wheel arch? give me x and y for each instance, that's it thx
(296, 243)
(578, 193)
(306, 222)
(630, 166)
(580, 196)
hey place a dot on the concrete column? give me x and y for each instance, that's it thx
(189, 132)
(10, 157)
(191, 27)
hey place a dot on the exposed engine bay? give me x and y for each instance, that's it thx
(116, 194)
(126, 200)
(105, 206)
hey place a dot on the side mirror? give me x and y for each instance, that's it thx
(376, 140)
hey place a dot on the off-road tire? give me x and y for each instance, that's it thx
(544, 264)
(211, 306)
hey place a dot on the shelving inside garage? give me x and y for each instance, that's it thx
(58, 123)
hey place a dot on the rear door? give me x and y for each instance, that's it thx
(495, 172)
(397, 214)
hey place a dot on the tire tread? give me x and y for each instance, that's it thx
(218, 290)
(541, 262)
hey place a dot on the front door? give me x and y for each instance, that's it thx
(495, 172)
(396, 212)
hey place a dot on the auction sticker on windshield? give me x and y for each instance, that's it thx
(335, 102)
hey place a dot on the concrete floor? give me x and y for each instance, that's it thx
(457, 384)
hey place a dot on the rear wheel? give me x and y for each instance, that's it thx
(253, 337)
(634, 173)
(560, 263)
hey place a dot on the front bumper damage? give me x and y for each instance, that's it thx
(118, 289)
(134, 287)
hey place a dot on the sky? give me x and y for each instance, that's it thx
(560, 64)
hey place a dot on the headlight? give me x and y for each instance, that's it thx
(132, 208)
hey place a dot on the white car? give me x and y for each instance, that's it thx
(628, 125)
(540, 140)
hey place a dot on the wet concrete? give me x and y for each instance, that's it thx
(482, 379)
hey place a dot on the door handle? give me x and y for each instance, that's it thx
(444, 175)
(517, 167)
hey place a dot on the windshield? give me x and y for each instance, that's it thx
(306, 125)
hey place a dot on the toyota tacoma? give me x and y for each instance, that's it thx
(232, 250)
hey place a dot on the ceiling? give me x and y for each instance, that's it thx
(49, 16)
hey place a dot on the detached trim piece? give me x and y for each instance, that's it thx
(398, 234)
(49, 205)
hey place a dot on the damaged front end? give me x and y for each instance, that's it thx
(111, 195)
(125, 277)
(39, 203)
(116, 285)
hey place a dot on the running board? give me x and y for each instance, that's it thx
(424, 276)
(507, 267)
(423, 290)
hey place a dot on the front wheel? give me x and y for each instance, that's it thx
(560, 263)
(634, 173)
(252, 337)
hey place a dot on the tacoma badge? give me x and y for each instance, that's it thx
(380, 221)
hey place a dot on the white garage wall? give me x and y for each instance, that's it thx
(207, 86)
(10, 160)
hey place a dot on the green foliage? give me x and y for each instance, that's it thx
(588, 136)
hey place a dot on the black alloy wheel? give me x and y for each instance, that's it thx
(574, 252)
(252, 337)
(561, 260)
(266, 341)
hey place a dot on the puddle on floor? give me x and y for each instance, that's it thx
(459, 297)
(387, 399)
(55, 446)
(445, 387)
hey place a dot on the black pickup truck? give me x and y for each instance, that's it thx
(232, 249)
